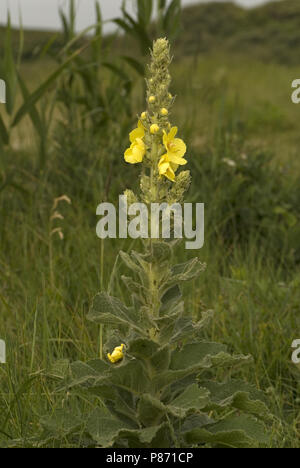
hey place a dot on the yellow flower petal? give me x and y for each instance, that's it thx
(165, 139)
(170, 174)
(172, 144)
(177, 147)
(177, 160)
(167, 168)
(163, 168)
(173, 133)
(136, 152)
(138, 132)
(164, 159)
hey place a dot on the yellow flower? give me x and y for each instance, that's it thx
(136, 152)
(117, 354)
(166, 168)
(154, 128)
(152, 99)
(176, 149)
(137, 149)
(138, 132)
(164, 111)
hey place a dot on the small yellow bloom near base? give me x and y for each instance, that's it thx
(117, 354)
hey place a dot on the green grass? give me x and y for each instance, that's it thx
(229, 104)
(252, 98)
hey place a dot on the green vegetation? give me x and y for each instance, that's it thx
(232, 74)
(269, 33)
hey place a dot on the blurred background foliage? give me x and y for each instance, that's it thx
(72, 99)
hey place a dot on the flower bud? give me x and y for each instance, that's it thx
(154, 129)
(152, 99)
(117, 354)
(164, 111)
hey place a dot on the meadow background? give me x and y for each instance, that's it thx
(72, 99)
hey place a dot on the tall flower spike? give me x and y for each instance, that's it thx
(169, 151)
(153, 142)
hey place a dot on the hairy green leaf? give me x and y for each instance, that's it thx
(110, 310)
(150, 410)
(103, 427)
(193, 353)
(237, 394)
(193, 398)
(232, 432)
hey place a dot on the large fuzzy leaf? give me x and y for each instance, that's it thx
(92, 377)
(221, 359)
(83, 374)
(183, 327)
(154, 436)
(110, 310)
(161, 252)
(60, 424)
(170, 298)
(122, 405)
(160, 361)
(232, 432)
(193, 398)
(131, 376)
(186, 271)
(193, 353)
(103, 427)
(130, 263)
(237, 394)
(143, 348)
(150, 410)
(166, 378)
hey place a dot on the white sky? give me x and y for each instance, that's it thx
(43, 14)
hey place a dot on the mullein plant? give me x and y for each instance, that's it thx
(157, 385)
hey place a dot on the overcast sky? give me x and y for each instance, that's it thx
(43, 14)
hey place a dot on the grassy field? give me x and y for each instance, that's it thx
(243, 133)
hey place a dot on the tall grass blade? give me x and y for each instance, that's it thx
(40, 92)
(9, 69)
